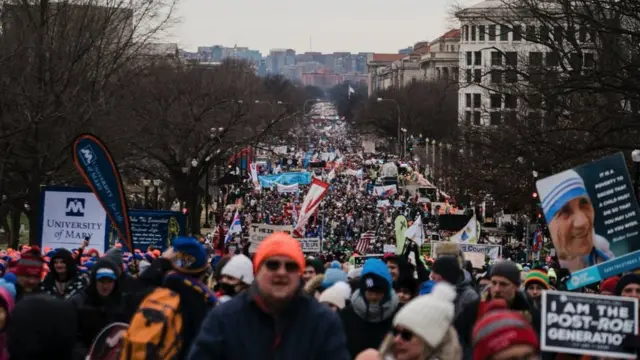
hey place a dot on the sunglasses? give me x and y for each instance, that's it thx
(405, 335)
(275, 265)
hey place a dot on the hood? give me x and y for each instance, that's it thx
(466, 281)
(56, 324)
(92, 291)
(376, 267)
(67, 257)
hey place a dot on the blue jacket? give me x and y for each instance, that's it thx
(239, 329)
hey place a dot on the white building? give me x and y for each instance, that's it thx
(441, 61)
(493, 59)
(396, 70)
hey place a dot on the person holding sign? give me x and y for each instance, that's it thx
(570, 215)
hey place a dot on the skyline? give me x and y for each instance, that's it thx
(348, 26)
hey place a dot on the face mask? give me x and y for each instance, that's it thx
(228, 289)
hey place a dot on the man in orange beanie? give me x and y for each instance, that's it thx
(231, 330)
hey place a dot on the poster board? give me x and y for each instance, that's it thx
(493, 251)
(359, 260)
(587, 324)
(596, 201)
(258, 232)
(476, 258)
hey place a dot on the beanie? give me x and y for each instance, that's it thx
(279, 244)
(609, 284)
(239, 267)
(333, 295)
(429, 316)
(447, 266)
(626, 280)
(30, 264)
(537, 276)
(191, 256)
(9, 286)
(332, 276)
(115, 256)
(316, 264)
(426, 287)
(507, 269)
(500, 329)
(346, 289)
(375, 276)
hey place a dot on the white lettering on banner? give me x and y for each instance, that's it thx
(69, 216)
(258, 232)
(493, 251)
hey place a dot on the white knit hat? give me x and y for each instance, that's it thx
(557, 190)
(429, 316)
(239, 267)
(345, 288)
(333, 295)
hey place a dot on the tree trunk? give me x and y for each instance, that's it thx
(14, 222)
(33, 214)
(193, 205)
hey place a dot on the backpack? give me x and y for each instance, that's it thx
(155, 331)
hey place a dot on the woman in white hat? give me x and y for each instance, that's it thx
(423, 329)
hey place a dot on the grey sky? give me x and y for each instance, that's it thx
(333, 25)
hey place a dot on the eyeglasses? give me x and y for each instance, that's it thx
(405, 335)
(275, 265)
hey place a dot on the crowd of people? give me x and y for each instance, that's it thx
(198, 300)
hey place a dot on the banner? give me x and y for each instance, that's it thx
(593, 219)
(477, 259)
(288, 178)
(468, 234)
(588, 324)
(385, 191)
(493, 251)
(401, 225)
(95, 164)
(254, 176)
(359, 260)
(287, 189)
(155, 228)
(316, 193)
(258, 232)
(68, 216)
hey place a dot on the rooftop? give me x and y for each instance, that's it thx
(387, 57)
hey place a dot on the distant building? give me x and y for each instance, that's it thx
(218, 53)
(406, 51)
(382, 62)
(441, 62)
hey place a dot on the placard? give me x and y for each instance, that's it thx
(593, 220)
(258, 232)
(477, 259)
(588, 324)
(493, 251)
(155, 228)
(359, 260)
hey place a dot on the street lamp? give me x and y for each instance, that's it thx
(156, 186)
(398, 109)
(635, 156)
(404, 137)
(146, 183)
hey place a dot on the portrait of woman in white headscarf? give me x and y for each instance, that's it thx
(570, 215)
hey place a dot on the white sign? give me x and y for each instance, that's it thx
(258, 232)
(494, 251)
(70, 216)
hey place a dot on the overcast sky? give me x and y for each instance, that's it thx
(332, 25)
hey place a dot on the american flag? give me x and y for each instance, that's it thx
(365, 241)
(234, 228)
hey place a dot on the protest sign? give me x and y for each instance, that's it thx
(493, 251)
(593, 220)
(155, 228)
(476, 258)
(588, 324)
(258, 232)
(359, 260)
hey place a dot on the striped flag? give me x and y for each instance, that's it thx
(365, 241)
(234, 228)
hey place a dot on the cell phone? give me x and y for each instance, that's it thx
(386, 348)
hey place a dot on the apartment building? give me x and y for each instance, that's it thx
(441, 62)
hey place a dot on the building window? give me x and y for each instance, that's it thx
(495, 118)
(492, 33)
(466, 33)
(496, 58)
(582, 34)
(481, 30)
(576, 61)
(510, 101)
(477, 100)
(544, 34)
(531, 33)
(495, 101)
(469, 60)
(589, 60)
(504, 33)
(558, 34)
(512, 58)
(467, 117)
(467, 100)
(473, 33)
(517, 32)
(511, 76)
(496, 76)
(469, 79)
(534, 119)
(477, 58)
(477, 75)
(511, 118)
(477, 118)
(535, 58)
(534, 100)
(553, 59)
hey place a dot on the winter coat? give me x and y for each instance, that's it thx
(74, 282)
(466, 307)
(243, 329)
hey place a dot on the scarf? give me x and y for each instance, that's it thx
(374, 312)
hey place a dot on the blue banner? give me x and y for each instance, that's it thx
(307, 158)
(95, 164)
(155, 228)
(290, 178)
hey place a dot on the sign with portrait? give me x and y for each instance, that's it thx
(592, 215)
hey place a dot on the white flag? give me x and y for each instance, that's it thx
(416, 232)
(351, 91)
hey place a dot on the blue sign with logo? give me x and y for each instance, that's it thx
(96, 165)
(75, 207)
(155, 228)
(289, 178)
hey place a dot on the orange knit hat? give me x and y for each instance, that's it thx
(279, 244)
